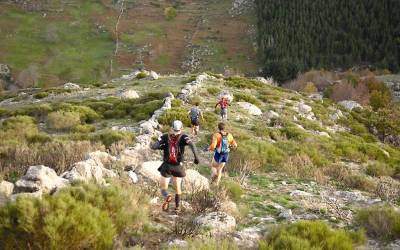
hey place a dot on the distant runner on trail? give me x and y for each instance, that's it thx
(195, 114)
(173, 145)
(223, 103)
(221, 143)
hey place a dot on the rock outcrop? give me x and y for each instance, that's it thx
(72, 86)
(250, 108)
(128, 94)
(216, 222)
(350, 105)
(40, 178)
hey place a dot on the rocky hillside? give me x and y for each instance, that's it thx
(307, 172)
(48, 43)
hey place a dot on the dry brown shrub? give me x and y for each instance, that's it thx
(321, 80)
(300, 166)
(15, 159)
(61, 120)
(388, 189)
(206, 201)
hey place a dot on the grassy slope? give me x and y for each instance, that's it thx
(74, 41)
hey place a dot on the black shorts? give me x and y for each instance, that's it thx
(195, 122)
(168, 170)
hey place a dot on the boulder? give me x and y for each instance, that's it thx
(149, 170)
(286, 214)
(194, 181)
(271, 115)
(336, 115)
(128, 94)
(250, 108)
(304, 108)
(130, 76)
(147, 127)
(268, 81)
(154, 75)
(300, 193)
(200, 78)
(316, 97)
(248, 238)
(73, 86)
(40, 178)
(89, 170)
(216, 222)
(101, 157)
(350, 105)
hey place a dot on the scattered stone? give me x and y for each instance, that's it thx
(154, 75)
(133, 176)
(271, 115)
(89, 170)
(388, 188)
(101, 157)
(155, 200)
(216, 222)
(250, 108)
(337, 115)
(350, 196)
(5, 72)
(350, 105)
(128, 94)
(304, 108)
(6, 190)
(322, 133)
(286, 214)
(248, 237)
(130, 76)
(40, 178)
(300, 193)
(178, 243)
(147, 127)
(268, 81)
(73, 86)
(316, 97)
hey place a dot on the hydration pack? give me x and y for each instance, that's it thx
(173, 145)
(224, 147)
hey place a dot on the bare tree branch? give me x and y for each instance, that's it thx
(122, 9)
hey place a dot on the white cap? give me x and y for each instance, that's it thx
(177, 125)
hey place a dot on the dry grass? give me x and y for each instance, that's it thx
(61, 120)
(15, 159)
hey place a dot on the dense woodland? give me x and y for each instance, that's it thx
(296, 35)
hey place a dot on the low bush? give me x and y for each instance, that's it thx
(84, 216)
(86, 128)
(109, 137)
(170, 13)
(359, 182)
(15, 159)
(208, 244)
(141, 75)
(311, 235)
(39, 138)
(246, 98)
(41, 95)
(238, 82)
(213, 90)
(63, 121)
(195, 100)
(16, 130)
(176, 113)
(234, 189)
(378, 169)
(177, 103)
(86, 114)
(382, 223)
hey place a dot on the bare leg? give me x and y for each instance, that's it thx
(167, 198)
(196, 130)
(164, 183)
(219, 172)
(214, 170)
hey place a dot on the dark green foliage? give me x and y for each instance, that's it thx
(109, 137)
(213, 90)
(39, 138)
(246, 98)
(239, 82)
(382, 223)
(141, 75)
(86, 128)
(41, 95)
(80, 217)
(296, 35)
(311, 235)
(176, 113)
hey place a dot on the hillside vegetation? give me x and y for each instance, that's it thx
(299, 35)
(305, 174)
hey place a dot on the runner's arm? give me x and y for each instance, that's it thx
(232, 141)
(214, 142)
(158, 145)
(193, 148)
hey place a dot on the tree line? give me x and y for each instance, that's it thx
(297, 35)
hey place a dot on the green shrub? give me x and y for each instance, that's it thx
(246, 98)
(378, 169)
(233, 189)
(238, 82)
(39, 138)
(173, 114)
(209, 244)
(311, 235)
(62, 120)
(213, 90)
(379, 99)
(16, 129)
(4, 112)
(108, 137)
(294, 133)
(86, 128)
(144, 111)
(177, 103)
(381, 223)
(39, 111)
(170, 13)
(195, 100)
(80, 217)
(141, 75)
(86, 114)
(41, 95)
